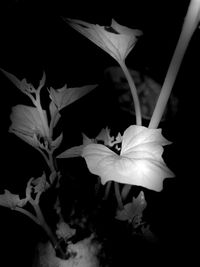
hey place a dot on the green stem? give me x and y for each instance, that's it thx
(133, 92)
(189, 26)
(44, 156)
(41, 112)
(46, 228)
(30, 96)
(52, 123)
(43, 222)
(125, 190)
(107, 190)
(118, 196)
(29, 214)
(53, 162)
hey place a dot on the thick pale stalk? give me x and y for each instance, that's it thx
(189, 26)
(133, 92)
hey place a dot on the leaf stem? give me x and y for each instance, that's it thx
(44, 156)
(29, 214)
(52, 123)
(125, 190)
(118, 196)
(41, 112)
(107, 190)
(133, 92)
(46, 228)
(189, 26)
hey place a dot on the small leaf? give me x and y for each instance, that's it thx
(122, 215)
(55, 144)
(10, 200)
(13, 79)
(64, 231)
(87, 140)
(42, 81)
(125, 190)
(21, 85)
(40, 184)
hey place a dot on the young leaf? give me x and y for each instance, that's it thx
(40, 184)
(42, 81)
(10, 200)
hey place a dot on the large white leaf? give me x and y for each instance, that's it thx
(139, 163)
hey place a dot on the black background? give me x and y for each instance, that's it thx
(35, 38)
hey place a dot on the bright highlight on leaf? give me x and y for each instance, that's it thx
(138, 163)
(116, 40)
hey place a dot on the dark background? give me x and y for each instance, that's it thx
(35, 38)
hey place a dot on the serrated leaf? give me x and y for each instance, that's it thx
(64, 231)
(40, 184)
(10, 200)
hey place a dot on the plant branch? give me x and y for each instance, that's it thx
(189, 26)
(118, 196)
(133, 92)
(29, 214)
(107, 190)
